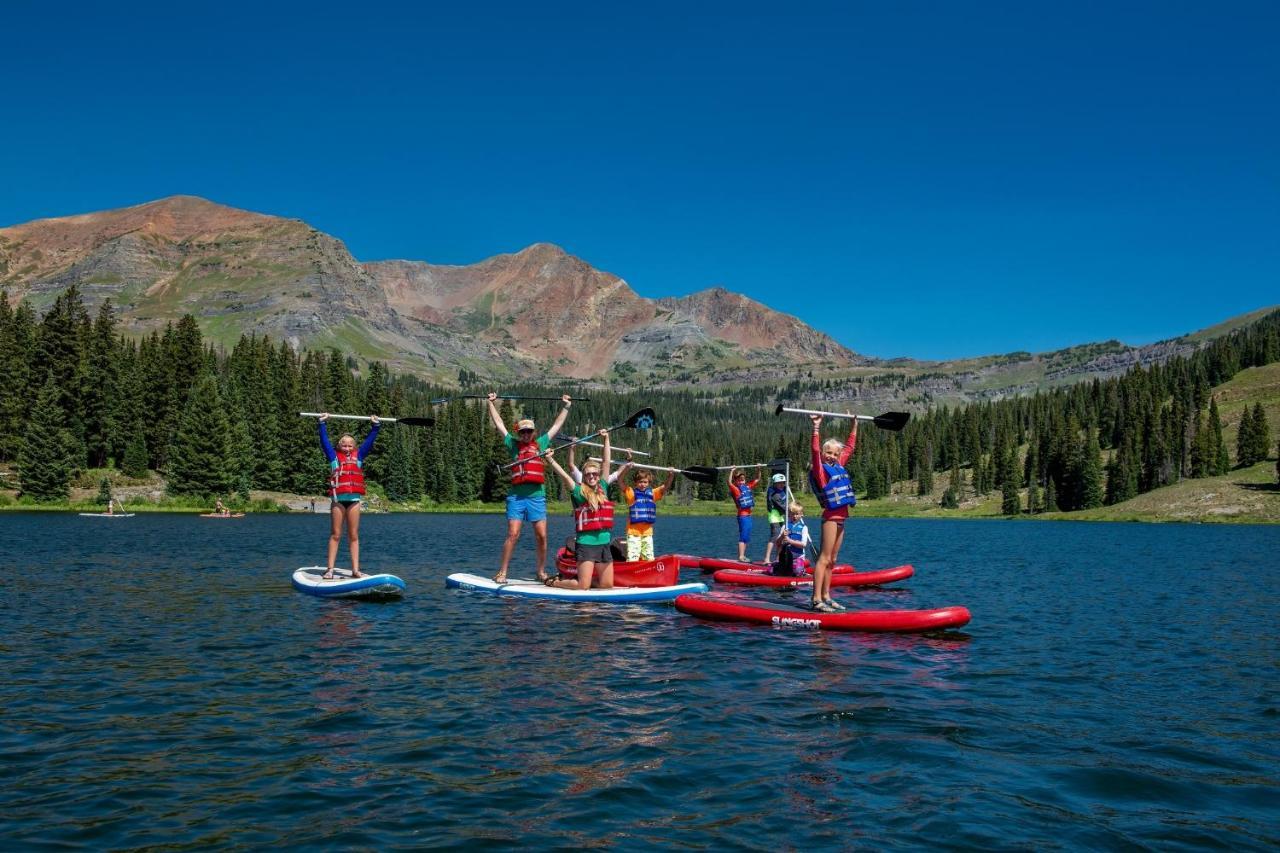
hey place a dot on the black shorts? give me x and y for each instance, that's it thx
(598, 554)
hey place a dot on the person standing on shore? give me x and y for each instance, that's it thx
(527, 495)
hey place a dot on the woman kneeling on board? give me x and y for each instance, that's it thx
(593, 519)
(346, 488)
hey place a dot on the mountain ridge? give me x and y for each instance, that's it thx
(539, 312)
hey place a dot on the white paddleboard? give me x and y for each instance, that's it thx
(107, 514)
(526, 588)
(310, 579)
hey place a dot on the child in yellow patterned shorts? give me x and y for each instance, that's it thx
(642, 512)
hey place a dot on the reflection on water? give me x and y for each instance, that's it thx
(166, 687)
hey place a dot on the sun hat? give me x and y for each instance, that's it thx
(527, 423)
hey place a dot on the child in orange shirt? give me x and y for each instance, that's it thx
(642, 512)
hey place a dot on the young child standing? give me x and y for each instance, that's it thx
(744, 499)
(593, 519)
(831, 484)
(793, 539)
(642, 512)
(346, 489)
(775, 502)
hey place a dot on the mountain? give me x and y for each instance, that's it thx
(536, 314)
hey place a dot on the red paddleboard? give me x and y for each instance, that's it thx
(713, 564)
(664, 571)
(788, 616)
(750, 578)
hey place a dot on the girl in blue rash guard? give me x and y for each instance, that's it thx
(346, 488)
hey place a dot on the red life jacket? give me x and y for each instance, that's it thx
(588, 520)
(348, 475)
(532, 469)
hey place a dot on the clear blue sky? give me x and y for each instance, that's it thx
(915, 178)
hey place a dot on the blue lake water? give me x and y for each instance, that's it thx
(165, 687)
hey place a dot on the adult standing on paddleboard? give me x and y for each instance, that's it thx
(831, 484)
(346, 489)
(527, 494)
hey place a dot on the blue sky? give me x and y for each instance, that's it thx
(923, 179)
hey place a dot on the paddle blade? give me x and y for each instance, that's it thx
(438, 400)
(779, 466)
(643, 419)
(893, 421)
(778, 410)
(701, 473)
(418, 422)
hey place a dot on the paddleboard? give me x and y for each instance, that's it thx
(107, 514)
(309, 580)
(714, 564)
(525, 588)
(789, 616)
(750, 578)
(664, 571)
(220, 515)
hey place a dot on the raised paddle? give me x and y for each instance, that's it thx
(439, 400)
(406, 421)
(563, 437)
(731, 467)
(694, 472)
(892, 421)
(643, 419)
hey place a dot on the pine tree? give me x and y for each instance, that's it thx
(46, 461)
(199, 455)
(1091, 488)
(104, 491)
(1261, 433)
(135, 455)
(1010, 480)
(1246, 440)
(924, 472)
(1219, 463)
(1051, 497)
(99, 389)
(1033, 498)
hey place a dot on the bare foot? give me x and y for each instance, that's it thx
(542, 577)
(500, 577)
(327, 576)
(356, 573)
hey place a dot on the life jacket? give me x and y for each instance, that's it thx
(796, 530)
(644, 509)
(530, 468)
(746, 498)
(839, 490)
(347, 477)
(775, 495)
(588, 520)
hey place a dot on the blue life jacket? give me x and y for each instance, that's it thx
(839, 491)
(746, 498)
(795, 530)
(775, 498)
(644, 510)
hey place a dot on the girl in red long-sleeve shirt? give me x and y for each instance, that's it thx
(831, 483)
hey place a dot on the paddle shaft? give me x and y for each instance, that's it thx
(507, 397)
(616, 449)
(646, 414)
(348, 417)
(829, 414)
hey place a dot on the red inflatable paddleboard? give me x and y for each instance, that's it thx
(750, 578)
(789, 616)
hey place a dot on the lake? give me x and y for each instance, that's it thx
(165, 687)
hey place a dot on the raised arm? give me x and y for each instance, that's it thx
(622, 469)
(367, 445)
(815, 456)
(558, 423)
(560, 472)
(329, 453)
(849, 443)
(608, 454)
(494, 415)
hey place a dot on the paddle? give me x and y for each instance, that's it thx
(566, 438)
(892, 421)
(412, 421)
(439, 400)
(643, 419)
(694, 472)
(731, 467)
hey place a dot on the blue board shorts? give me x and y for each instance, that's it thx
(532, 508)
(744, 529)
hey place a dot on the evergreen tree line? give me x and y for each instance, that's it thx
(80, 394)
